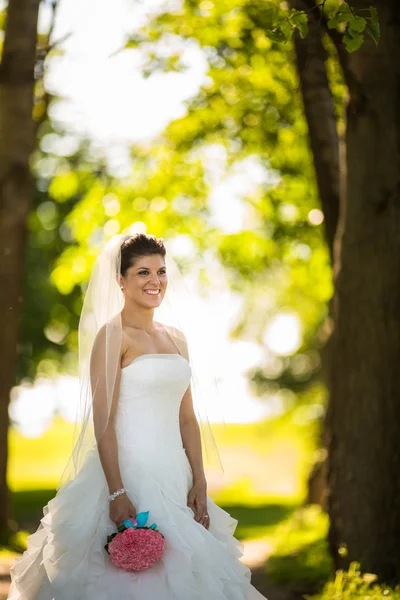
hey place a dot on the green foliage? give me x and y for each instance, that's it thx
(355, 25)
(301, 562)
(250, 109)
(50, 316)
(354, 585)
(300, 21)
(301, 557)
(77, 204)
(372, 26)
(278, 22)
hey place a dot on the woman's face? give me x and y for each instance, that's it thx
(146, 281)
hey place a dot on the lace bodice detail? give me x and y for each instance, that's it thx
(151, 390)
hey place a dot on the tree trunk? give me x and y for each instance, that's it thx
(364, 408)
(326, 147)
(319, 110)
(16, 144)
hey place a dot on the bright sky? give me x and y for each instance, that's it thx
(106, 96)
(107, 99)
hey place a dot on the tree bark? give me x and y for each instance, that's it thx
(319, 110)
(16, 145)
(364, 407)
(326, 147)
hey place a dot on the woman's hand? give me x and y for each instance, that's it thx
(121, 508)
(197, 501)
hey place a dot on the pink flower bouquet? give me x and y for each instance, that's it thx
(135, 547)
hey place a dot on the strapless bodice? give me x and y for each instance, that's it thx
(151, 390)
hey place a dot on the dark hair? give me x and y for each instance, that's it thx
(138, 245)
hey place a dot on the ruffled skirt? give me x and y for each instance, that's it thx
(66, 560)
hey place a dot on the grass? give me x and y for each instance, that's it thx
(265, 466)
(301, 558)
(37, 463)
(353, 585)
(269, 459)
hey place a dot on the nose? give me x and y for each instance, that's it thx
(155, 281)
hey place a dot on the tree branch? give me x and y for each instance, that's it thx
(337, 39)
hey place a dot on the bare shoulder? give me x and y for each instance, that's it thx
(110, 342)
(128, 342)
(174, 331)
(178, 336)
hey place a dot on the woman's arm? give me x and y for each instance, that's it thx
(189, 426)
(104, 424)
(190, 433)
(108, 452)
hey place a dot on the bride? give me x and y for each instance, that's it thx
(138, 448)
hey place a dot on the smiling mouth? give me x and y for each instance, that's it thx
(152, 292)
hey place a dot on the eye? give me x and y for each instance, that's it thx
(162, 272)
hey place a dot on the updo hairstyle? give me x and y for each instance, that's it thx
(138, 245)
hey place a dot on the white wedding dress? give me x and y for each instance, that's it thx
(65, 558)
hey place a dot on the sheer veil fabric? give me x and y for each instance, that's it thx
(100, 338)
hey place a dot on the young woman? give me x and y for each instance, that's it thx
(139, 449)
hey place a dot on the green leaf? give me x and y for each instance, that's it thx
(342, 17)
(287, 30)
(271, 15)
(373, 28)
(344, 13)
(374, 14)
(357, 23)
(276, 36)
(303, 29)
(333, 23)
(373, 31)
(301, 22)
(352, 39)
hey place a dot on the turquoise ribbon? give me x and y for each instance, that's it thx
(141, 520)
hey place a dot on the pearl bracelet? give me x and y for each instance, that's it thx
(112, 497)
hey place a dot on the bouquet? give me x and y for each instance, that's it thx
(135, 547)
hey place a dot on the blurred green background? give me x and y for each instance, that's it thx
(188, 124)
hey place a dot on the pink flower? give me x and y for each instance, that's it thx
(136, 549)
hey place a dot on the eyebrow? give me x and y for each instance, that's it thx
(147, 268)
